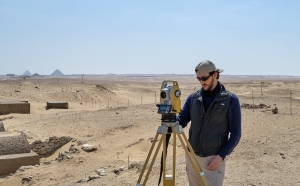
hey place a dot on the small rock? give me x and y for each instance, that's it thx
(73, 149)
(69, 157)
(151, 139)
(47, 162)
(116, 171)
(88, 147)
(101, 172)
(61, 156)
(80, 142)
(24, 180)
(83, 180)
(37, 141)
(22, 168)
(122, 168)
(94, 177)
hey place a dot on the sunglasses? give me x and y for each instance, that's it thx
(205, 77)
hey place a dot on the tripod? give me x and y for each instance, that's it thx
(169, 180)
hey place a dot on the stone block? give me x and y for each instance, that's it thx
(12, 162)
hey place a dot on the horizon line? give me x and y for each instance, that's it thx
(130, 74)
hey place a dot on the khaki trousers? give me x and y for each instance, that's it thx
(215, 177)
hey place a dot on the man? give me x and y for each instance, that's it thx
(215, 130)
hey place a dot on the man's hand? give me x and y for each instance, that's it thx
(214, 163)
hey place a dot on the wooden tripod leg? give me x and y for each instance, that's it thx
(153, 159)
(174, 157)
(148, 157)
(198, 170)
(169, 180)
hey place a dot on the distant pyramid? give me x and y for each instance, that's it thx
(57, 73)
(27, 73)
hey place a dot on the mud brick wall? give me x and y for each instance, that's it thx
(50, 145)
(14, 145)
(20, 108)
(58, 105)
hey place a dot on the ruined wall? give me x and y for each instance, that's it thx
(20, 107)
(15, 144)
(58, 105)
(49, 146)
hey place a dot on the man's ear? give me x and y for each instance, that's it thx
(216, 75)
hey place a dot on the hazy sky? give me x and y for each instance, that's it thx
(257, 37)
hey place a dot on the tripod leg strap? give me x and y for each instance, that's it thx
(168, 136)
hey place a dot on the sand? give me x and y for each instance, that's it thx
(118, 115)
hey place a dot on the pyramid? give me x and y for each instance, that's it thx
(27, 73)
(57, 73)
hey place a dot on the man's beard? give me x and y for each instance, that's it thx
(210, 85)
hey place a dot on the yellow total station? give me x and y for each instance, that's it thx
(170, 97)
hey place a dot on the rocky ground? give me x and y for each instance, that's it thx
(118, 117)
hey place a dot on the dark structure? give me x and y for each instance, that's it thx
(57, 105)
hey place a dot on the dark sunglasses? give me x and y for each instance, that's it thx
(205, 77)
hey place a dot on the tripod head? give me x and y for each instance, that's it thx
(168, 118)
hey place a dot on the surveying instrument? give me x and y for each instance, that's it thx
(169, 106)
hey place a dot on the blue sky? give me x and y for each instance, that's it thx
(149, 37)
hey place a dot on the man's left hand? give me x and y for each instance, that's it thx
(214, 163)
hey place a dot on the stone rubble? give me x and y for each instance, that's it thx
(50, 145)
(250, 106)
(62, 156)
(100, 173)
(27, 179)
(73, 149)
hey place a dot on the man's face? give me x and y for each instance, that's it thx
(206, 80)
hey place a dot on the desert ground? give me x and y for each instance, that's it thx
(118, 115)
